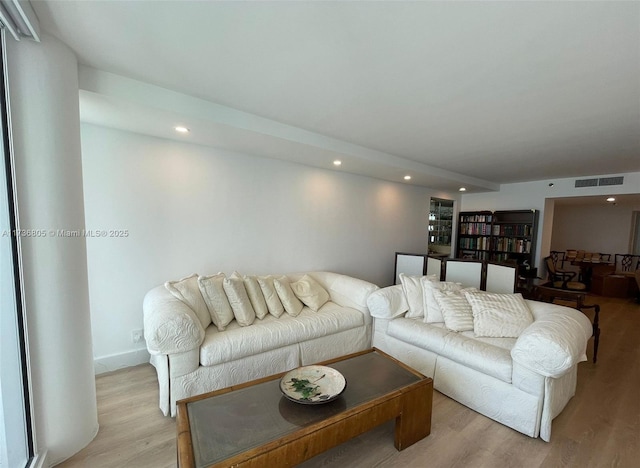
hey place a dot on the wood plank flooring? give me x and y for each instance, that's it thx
(600, 427)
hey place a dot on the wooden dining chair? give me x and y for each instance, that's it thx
(562, 279)
(558, 258)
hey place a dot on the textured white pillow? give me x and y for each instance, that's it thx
(270, 295)
(187, 290)
(412, 286)
(310, 292)
(255, 296)
(499, 315)
(291, 303)
(456, 311)
(239, 300)
(216, 299)
(432, 312)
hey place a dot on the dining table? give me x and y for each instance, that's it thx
(587, 266)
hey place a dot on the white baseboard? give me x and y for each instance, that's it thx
(120, 361)
(39, 460)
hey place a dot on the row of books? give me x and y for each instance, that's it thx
(477, 218)
(507, 244)
(512, 229)
(475, 243)
(475, 228)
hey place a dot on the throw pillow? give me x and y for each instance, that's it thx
(239, 300)
(310, 292)
(432, 312)
(412, 286)
(187, 290)
(291, 303)
(270, 295)
(255, 296)
(499, 315)
(216, 300)
(456, 311)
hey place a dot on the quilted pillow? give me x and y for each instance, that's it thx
(456, 310)
(255, 296)
(239, 300)
(412, 287)
(310, 292)
(433, 314)
(291, 303)
(499, 315)
(274, 305)
(187, 290)
(216, 300)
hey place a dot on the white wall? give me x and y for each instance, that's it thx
(540, 195)
(43, 80)
(601, 227)
(190, 208)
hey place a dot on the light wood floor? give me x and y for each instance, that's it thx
(600, 427)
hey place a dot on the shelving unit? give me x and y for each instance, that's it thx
(500, 236)
(440, 222)
(474, 235)
(514, 236)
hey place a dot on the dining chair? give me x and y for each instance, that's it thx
(605, 257)
(571, 255)
(627, 262)
(558, 257)
(562, 279)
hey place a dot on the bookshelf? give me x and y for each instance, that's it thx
(499, 236)
(474, 235)
(514, 236)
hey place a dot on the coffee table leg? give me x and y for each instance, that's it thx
(414, 423)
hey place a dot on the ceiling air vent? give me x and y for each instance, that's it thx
(611, 181)
(586, 183)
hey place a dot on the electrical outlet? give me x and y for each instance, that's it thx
(137, 336)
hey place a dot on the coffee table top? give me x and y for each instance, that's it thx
(226, 423)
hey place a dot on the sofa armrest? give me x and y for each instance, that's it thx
(170, 326)
(554, 342)
(388, 303)
(346, 291)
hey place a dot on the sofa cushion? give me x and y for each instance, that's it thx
(271, 333)
(292, 305)
(412, 286)
(483, 356)
(310, 292)
(216, 299)
(499, 315)
(432, 312)
(188, 291)
(239, 300)
(456, 310)
(270, 295)
(255, 296)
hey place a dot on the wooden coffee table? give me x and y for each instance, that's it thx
(254, 425)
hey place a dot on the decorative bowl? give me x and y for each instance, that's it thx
(312, 385)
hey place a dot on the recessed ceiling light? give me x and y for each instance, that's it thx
(611, 199)
(407, 177)
(181, 129)
(337, 162)
(462, 189)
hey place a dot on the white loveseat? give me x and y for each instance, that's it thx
(193, 356)
(522, 382)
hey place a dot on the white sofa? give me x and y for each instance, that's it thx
(192, 356)
(522, 382)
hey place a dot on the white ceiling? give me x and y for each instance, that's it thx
(455, 93)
